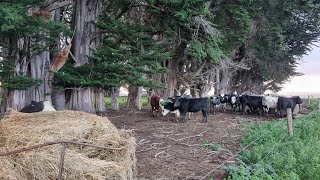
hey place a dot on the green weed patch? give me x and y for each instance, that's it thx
(273, 154)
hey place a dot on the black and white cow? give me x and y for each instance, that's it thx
(168, 106)
(284, 103)
(235, 102)
(37, 107)
(215, 102)
(225, 100)
(186, 105)
(269, 102)
(253, 102)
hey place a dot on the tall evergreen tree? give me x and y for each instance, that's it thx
(26, 33)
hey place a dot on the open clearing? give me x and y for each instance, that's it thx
(171, 150)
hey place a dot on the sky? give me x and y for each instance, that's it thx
(310, 67)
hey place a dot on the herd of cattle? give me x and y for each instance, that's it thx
(244, 103)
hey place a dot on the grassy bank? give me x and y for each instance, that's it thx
(273, 154)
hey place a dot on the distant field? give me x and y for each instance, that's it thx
(301, 94)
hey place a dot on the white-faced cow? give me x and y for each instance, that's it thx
(167, 106)
(38, 107)
(186, 105)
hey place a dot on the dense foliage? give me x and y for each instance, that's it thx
(267, 36)
(275, 155)
(36, 34)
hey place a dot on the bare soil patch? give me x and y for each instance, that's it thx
(171, 150)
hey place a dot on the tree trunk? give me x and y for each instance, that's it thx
(39, 68)
(224, 83)
(138, 98)
(85, 40)
(99, 100)
(59, 101)
(115, 93)
(86, 37)
(217, 88)
(173, 65)
(132, 96)
(81, 100)
(36, 67)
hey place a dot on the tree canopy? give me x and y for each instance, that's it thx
(261, 40)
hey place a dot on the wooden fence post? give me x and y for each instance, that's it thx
(319, 103)
(309, 101)
(289, 120)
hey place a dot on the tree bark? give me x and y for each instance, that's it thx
(132, 96)
(39, 68)
(81, 100)
(99, 100)
(36, 67)
(59, 101)
(86, 39)
(217, 86)
(115, 93)
(173, 65)
(224, 83)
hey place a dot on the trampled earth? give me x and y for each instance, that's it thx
(167, 149)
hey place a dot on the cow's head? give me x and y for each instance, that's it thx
(297, 99)
(177, 102)
(233, 99)
(215, 100)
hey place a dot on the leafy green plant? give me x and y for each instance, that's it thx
(275, 155)
(212, 146)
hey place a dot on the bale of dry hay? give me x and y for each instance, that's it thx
(19, 130)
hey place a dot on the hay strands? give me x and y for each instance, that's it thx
(56, 142)
(63, 149)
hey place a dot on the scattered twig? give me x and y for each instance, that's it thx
(155, 156)
(143, 141)
(144, 150)
(117, 116)
(189, 145)
(198, 135)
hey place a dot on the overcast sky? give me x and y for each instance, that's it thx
(310, 67)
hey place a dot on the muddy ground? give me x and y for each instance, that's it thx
(167, 149)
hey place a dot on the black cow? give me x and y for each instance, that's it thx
(193, 105)
(284, 103)
(253, 102)
(37, 107)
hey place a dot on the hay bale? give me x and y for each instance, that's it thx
(19, 130)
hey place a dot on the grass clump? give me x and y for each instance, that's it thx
(272, 154)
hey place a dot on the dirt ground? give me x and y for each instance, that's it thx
(173, 150)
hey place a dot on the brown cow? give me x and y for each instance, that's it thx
(155, 105)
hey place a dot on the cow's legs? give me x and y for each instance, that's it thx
(205, 116)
